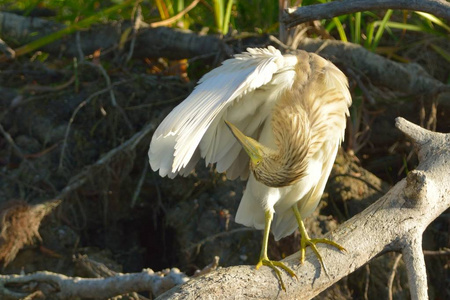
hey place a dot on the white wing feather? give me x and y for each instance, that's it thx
(200, 115)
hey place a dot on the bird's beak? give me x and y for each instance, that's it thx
(252, 147)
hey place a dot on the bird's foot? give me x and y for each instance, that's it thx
(306, 241)
(274, 265)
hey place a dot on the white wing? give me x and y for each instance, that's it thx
(243, 91)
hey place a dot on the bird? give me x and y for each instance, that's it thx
(275, 120)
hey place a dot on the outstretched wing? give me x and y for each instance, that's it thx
(235, 90)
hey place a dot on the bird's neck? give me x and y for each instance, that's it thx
(279, 173)
(286, 164)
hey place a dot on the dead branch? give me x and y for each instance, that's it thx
(298, 15)
(106, 283)
(150, 42)
(64, 287)
(176, 17)
(406, 79)
(395, 222)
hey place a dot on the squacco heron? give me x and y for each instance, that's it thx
(275, 119)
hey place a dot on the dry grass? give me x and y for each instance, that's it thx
(19, 223)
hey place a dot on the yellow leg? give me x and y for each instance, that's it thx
(307, 241)
(264, 259)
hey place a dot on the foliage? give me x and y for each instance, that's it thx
(372, 28)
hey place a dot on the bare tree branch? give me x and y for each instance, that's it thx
(394, 223)
(296, 16)
(415, 266)
(64, 287)
(409, 79)
(150, 42)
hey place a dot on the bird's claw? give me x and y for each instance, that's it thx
(305, 242)
(274, 265)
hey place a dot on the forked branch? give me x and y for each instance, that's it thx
(394, 223)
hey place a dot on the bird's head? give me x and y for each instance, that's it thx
(265, 163)
(254, 149)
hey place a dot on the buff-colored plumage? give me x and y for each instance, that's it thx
(293, 108)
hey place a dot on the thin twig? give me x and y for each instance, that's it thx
(361, 85)
(55, 88)
(81, 178)
(16, 148)
(11, 142)
(358, 178)
(18, 182)
(137, 191)
(136, 25)
(211, 267)
(176, 17)
(218, 235)
(366, 286)
(107, 79)
(75, 112)
(111, 92)
(156, 103)
(443, 252)
(78, 44)
(8, 51)
(392, 275)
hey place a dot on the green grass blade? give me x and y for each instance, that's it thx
(226, 19)
(381, 29)
(404, 26)
(85, 23)
(340, 29)
(180, 5)
(357, 33)
(434, 20)
(441, 52)
(369, 33)
(162, 9)
(218, 14)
